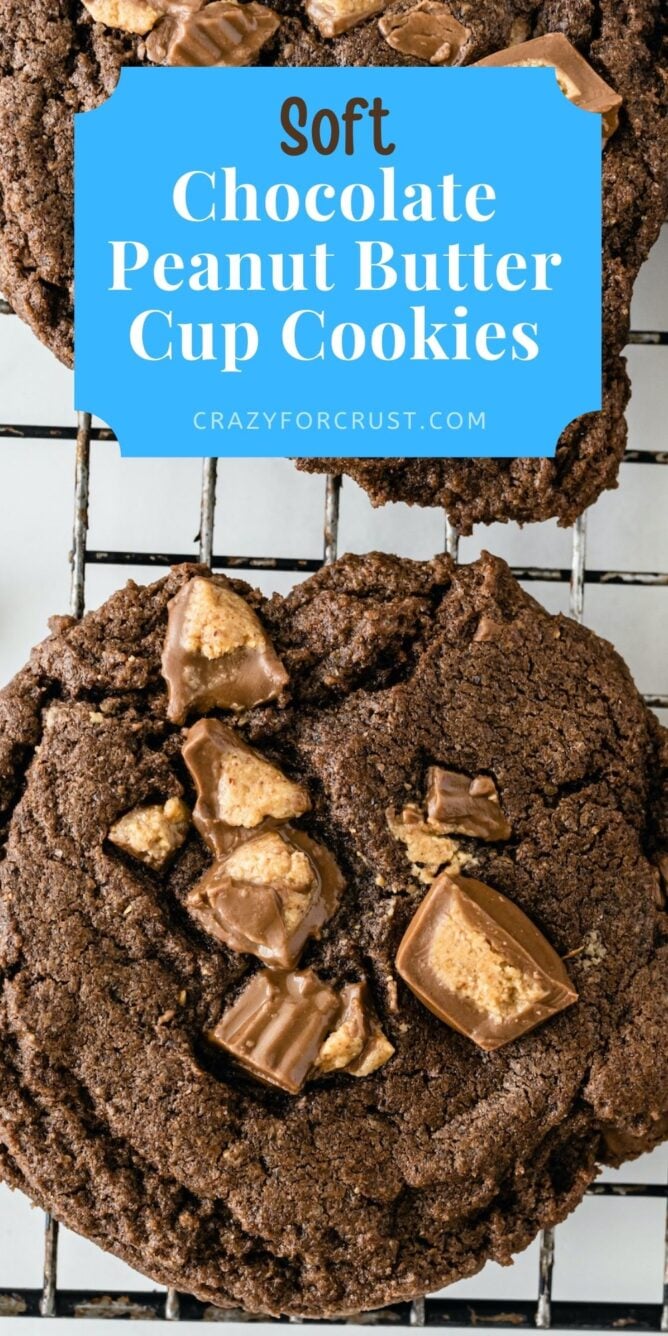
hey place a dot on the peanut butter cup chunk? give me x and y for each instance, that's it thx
(276, 1027)
(152, 834)
(216, 654)
(269, 896)
(428, 31)
(238, 790)
(476, 960)
(428, 849)
(223, 33)
(333, 17)
(464, 806)
(575, 76)
(357, 1045)
(133, 16)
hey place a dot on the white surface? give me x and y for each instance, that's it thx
(610, 1248)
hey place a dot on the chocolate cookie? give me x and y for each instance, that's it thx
(61, 56)
(322, 1000)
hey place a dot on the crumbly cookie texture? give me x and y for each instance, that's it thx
(116, 1112)
(56, 60)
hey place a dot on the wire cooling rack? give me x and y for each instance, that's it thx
(542, 1312)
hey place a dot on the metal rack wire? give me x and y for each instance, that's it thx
(542, 1312)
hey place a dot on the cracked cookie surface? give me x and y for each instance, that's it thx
(115, 1114)
(55, 60)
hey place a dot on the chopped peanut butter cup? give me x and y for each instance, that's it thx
(460, 805)
(217, 654)
(152, 834)
(238, 791)
(288, 1027)
(334, 17)
(476, 960)
(575, 76)
(428, 31)
(137, 16)
(357, 1045)
(269, 896)
(224, 33)
(428, 847)
(276, 1027)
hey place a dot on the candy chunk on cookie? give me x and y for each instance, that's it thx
(478, 963)
(286, 1027)
(135, 16)
(217, 654)
(276, 1027)
(223, 34)
(152, 834)
(426, 31)
(357, 1044)
(575, 76)
(237, 789)
(269, 896)
(461, 805)
(332, 17)
(427, 848)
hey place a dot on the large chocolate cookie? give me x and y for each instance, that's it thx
(432, 718)
(56, 60)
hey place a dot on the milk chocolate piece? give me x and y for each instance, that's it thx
(222, 34)
(357, 1045)
(476, 960)
(269, 896)
(276, 1027)
(577, 80)
(216, 653)
(238, 792)
(428, 31)
(464, 806)
(333, 17)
